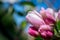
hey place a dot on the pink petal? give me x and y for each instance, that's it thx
(33, 32)
(34, 19)
(45, 27)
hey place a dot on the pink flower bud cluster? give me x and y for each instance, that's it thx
(42, 23)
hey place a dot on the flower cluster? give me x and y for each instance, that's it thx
(42, 22)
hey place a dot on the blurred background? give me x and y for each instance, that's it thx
(13, 24)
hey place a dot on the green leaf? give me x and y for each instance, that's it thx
(27, 6)
(39, 38)
(55, 32)
(9, 23)
(20, 14)
(58, 25)
(23, 24)
(27, 3)
(2, 37)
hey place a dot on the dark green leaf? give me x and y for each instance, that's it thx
(27, 3)
(58, 25)
(39, 38)
(8, 23)
(20, 14)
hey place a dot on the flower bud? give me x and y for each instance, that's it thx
(33, 32)
(49, 33)
(45, 27)
(45, 31)
(50, 10)
(34, 18)
(48, 17)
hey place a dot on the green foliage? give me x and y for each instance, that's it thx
(57, 31)
(39, 38)
(23, 24)
(2, 37)
(58, 27)
(27, 3)
(20, 14)
(28, 6)
(8, 22)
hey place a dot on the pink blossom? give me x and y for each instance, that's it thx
(45, 31)
(42, 23)
(47, 16)
(45, 27)
(50, 10)
(33, 31)
(35, 18)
